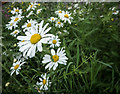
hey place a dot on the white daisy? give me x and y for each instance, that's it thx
(115, 11)
(52, 19)
(44, 82)
(16, 11)
(16, 18)
(29, 24)
(15, 33)
(11, 25)
(32, 6)
(31, 12)
(59, 24)
(16, 67)
(58, 12)
(34, 39)
(38, 11)
(56, 58)
(54, 42)
(66, 16)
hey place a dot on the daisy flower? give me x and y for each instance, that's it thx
(32, 6)
(38, 11)
(34, 39)
(15, 33)
(58, 57)
(66, 16)
(59, 12)
(59, 24)
(44, 82)
(11, 25)
(16, 18)
(16, 11)
(16, 67)
(115, 11)
(52, 19)
(54, 42)
(31, 12)
(29, 24)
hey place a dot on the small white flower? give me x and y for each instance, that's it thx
(52, 19)
(34, 40)
(31, 12)
(59, 24)
(57, 57)
(66, 16)
(11, 25)
(32, 6)
(59, 12)
(29, 24)
(15, 33)
(16, 11)
(54, 41)
(38, 11)
(115, 12)
(16, 18)
(44, 82)
(16, 67)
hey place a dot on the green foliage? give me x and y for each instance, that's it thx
(92, 48)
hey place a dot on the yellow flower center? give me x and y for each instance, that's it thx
(55, 58)
(23, 41)
(39, 4)
(15, 32)
(31, 6)
(16, 19)
(59, 22)
(60, 11)
(29, 25)
(54, 41)
(35, 38)
(52, 19)
(11, 24)
(44, 82)
(66, 16)
(16, 10)
(16, 66)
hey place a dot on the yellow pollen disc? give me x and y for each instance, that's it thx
(23, 41)
(52, 19)
(31, 6)
(39, 4)
(29, 25)
(59, 22)
(44, 82)
(60, 11)
(66, 16)
(16, 19)
(35, 38)
(54, 41)
(15, 32)
(16, 66)
(55, 58)
(16, 10)
(11, 24)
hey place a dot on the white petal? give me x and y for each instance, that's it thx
(52, 51)
(39, 46)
